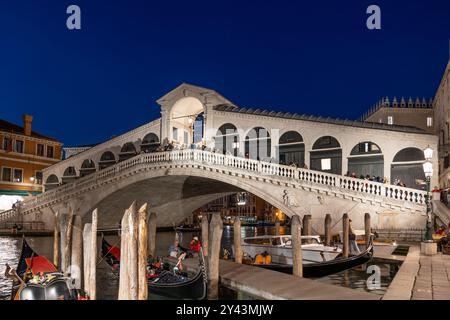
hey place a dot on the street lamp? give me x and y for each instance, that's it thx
(428, 170)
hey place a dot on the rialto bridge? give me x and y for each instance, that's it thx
(204, 147)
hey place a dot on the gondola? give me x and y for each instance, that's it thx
(321, 269)
(186, 289)
(36, 278)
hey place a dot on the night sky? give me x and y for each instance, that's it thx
(317, 58)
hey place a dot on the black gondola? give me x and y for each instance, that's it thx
(189, 289)
(321, 269)
(51, 285)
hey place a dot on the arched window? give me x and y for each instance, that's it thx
(365, 160)
(150, 143)
(87, 167)
(51, 182)
(407, 168)
(258, 144)
(128, 151)
(227, 139)
(107, 159)
(326, 155)
(291, 149)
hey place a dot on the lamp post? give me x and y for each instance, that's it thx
(428, 170)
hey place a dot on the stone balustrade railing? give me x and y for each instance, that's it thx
(375, 189)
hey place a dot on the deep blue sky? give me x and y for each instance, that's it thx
(315, 57)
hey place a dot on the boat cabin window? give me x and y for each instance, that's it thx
(288, 242)
(276, 241)
(259, 241)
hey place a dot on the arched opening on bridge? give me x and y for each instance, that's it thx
(186, 122)
(258, 144)
(291, 149)
(366, 159)
(128, 151)
(227, 139)
(150, 143)
(69, 175)
(326, 155)
(87, 168)
(106, 160)
(249, 208)
(407, 168)
(51, 182)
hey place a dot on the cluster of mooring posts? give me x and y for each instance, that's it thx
(75, 248)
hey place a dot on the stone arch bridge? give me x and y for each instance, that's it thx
(177, 182)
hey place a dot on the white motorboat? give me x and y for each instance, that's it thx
(280, 249)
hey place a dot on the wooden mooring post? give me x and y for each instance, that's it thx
(56, 240)
(237, 241)
(306, 227)
(152, 234)
(77, 252)
(87, 234)
(142, 253)
(93, 257)
(215, 238)
(328, 229)
(297, 254)
(65, 227)
(205, 236)
(345, 235)
(367, 228)
(134, 248)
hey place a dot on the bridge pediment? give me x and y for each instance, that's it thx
(204, 95)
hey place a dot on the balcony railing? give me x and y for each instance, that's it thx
(371, 188)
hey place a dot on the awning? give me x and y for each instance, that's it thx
(22, 193)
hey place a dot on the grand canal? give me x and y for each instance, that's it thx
(107, 284)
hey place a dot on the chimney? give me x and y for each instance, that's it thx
(27, 120)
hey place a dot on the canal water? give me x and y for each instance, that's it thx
(107, 283)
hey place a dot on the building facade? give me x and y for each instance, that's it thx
(414, 113)
(24, 154)
(442, 128)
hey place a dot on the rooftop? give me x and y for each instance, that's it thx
(304, 117)
(9, 127)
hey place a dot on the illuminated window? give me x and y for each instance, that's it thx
(429, 122)
(18, 175)
(326, 164)
(391, 120)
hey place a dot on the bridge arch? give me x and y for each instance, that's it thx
(87, 167)
(127, 151)
(175, 193)
(150, 143)
(258, 144)
(227, 139)
(326, 155)
(366, 159)
(51, 182)
(183, 115)
(107, 159)
(291, 149)
(407, 168)
(69, 175)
